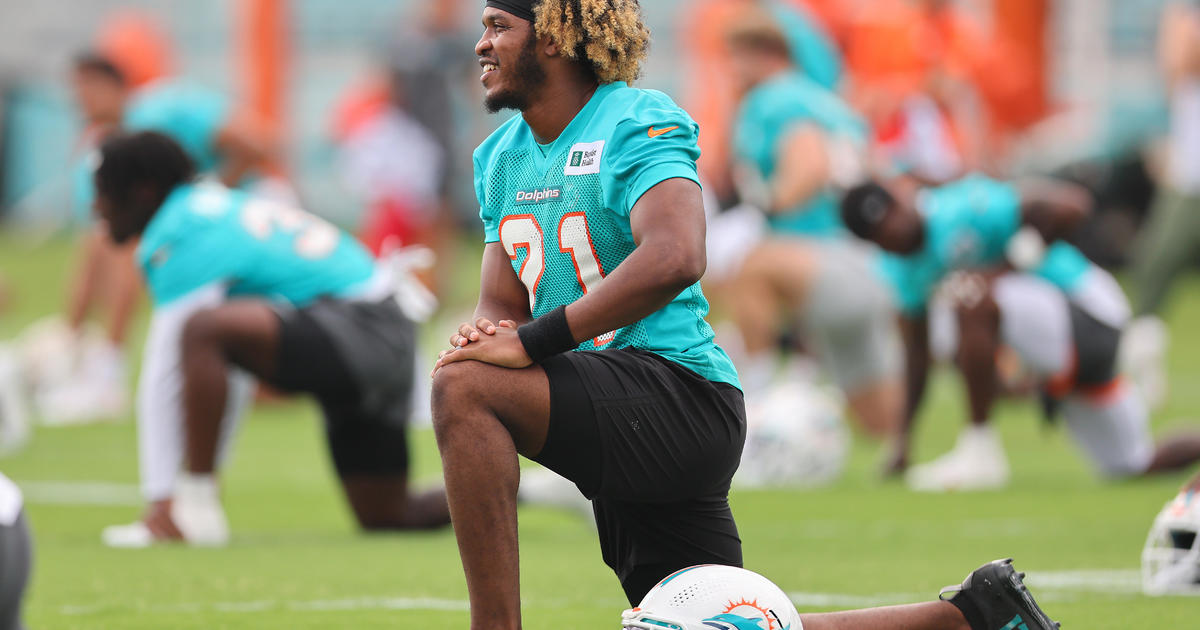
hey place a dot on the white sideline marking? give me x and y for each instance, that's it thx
(1050, 586)
(1047, 586)
(1088, 580)
(847, 600)
(80, 493)
(268, 605)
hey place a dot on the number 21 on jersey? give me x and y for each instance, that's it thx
(522, 231)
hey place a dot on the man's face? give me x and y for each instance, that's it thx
(101, 99)
(899, 231)
(745, 66)
(121, 220)
(508, 53)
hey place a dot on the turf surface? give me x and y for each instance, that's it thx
(297, 562)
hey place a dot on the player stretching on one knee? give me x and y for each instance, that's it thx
(589, 351)
(1069, 348)
(976, 224)
(245, 285)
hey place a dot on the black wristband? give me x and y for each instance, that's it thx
(547, 335)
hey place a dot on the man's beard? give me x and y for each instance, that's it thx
(525, 77)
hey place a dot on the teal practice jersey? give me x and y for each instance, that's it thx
(205, 234)
(190, 114)
(562, 211)
(967, 225)
(768, 114)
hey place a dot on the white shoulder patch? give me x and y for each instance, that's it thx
(584, 158)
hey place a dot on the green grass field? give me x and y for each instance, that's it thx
(297, 562)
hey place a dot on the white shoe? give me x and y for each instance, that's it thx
(540, 486)
(14, 412)
(132, 536)
(196, 510)
(1142, 356)
(977, 462)
(82, 402)
(96, 390)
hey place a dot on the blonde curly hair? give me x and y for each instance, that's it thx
(606, 34)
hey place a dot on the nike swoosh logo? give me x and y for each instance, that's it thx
(654, 133)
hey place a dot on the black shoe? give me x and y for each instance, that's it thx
(993, 597)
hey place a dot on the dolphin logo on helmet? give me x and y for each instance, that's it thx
(713, 597)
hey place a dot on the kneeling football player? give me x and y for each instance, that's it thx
(245, 286)
(1068, 345)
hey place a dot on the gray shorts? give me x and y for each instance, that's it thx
(849, 318)
(16, 555)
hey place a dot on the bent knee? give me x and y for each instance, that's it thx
(202, 328)
(458, 384)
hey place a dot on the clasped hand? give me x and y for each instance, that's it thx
(497, 344)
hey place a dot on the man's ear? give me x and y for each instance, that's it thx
(549, 48)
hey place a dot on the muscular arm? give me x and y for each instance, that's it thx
(978, 343)
(915, 332)
(1054, 208)
(802, 169)
(242, 151)
(668, 228)
(501, 294)
(83, 291)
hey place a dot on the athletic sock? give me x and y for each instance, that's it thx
(970, 611)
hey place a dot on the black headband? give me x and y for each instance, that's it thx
(520, 8)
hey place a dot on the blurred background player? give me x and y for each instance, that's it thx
(1169, 241)
(979, 223)
(126, 83)
(797, 144)
(1071, 354)
(244, 285)
(94, 383)
(16, 554)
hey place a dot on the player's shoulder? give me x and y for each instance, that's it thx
(168, 95)
(189, 212)
(625, 106)
(196, 206)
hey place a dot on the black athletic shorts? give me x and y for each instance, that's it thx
(356, 359)
(1096, 346)
(654, 445)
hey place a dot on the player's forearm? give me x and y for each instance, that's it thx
(84, 287)
(496, 311)
(128, 289)
(649, 279)
(789, 192)
(241, 154)
(802, 171)
(917, 360)
(236, 168)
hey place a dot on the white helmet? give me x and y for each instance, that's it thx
(714, 597)
(1171, 558)
(795, 436)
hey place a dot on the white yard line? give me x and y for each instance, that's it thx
(1087, 580)
(80, 493)
(848, 600)
(273, 605)
(1048, 586)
